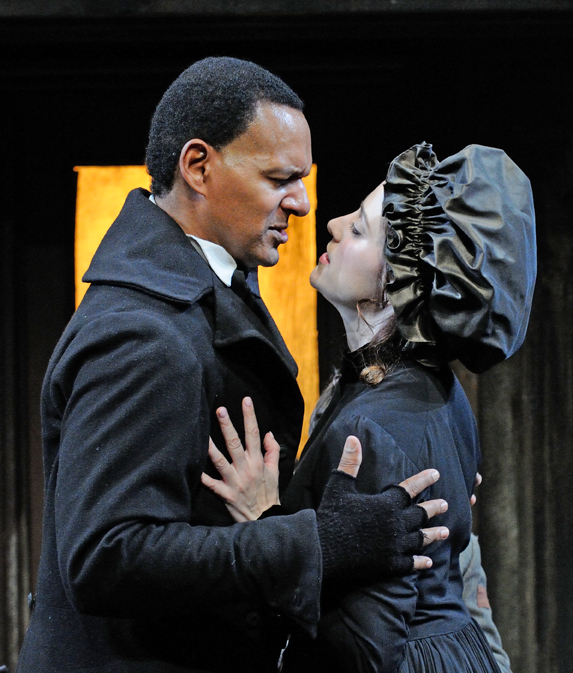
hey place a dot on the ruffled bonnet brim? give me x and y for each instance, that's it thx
(461, 248)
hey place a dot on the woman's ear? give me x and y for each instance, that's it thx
(193, 163)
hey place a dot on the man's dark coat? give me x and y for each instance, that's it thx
(142, 568)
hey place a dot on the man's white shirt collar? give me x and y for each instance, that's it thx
(217, 257)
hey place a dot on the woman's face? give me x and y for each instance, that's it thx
(349, 270)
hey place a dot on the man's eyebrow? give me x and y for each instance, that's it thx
(290, 171)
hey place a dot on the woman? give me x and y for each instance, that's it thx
(447, 273)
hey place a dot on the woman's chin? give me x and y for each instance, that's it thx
(315, 277)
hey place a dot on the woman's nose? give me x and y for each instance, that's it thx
(333, 228)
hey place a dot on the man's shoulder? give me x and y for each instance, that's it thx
(116, 309)
(146, 249)
(114, 322)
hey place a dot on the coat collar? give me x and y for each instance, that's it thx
(145, 248)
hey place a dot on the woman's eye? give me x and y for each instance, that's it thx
(354, 230)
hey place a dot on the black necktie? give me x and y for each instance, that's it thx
(242, 290)
(240, 287)
(239, 284)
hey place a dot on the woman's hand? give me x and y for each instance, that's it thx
(478, 481)
(350, 462)
(249, 485)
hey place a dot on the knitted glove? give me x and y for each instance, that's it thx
(367, 537)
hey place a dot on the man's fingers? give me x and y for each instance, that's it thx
(434, 507)
(232, 440)
(420, 481)
(422, 562)
(252, 435)
(479, 478)
(351, 456)
(434, 534)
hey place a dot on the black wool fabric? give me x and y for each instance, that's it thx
(364, 537)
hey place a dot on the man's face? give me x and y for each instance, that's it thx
(255, 183)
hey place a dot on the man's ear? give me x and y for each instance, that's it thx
(194, 163)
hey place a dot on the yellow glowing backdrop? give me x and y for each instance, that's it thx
(284, 287)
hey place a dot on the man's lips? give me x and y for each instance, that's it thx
(323, 259)
(281, 233)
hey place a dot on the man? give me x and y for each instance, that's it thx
(142, 568)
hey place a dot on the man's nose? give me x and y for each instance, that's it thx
(296, 201)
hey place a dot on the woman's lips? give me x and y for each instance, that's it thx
(323, 259)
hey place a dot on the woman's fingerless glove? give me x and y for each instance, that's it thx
(368, 537)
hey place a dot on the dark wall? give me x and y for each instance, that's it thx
(81, 91)
(198, 8)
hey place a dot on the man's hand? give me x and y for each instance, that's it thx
(341, 494)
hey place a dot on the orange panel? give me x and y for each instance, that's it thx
(100, 196)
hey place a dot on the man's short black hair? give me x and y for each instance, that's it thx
(215, 100)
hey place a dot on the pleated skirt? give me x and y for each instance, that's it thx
(463, 651)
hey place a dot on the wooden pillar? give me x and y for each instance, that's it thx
(14, 513)
(507, 507)
(551, 358)
(35, 280)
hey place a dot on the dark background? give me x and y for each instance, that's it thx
(78, 84)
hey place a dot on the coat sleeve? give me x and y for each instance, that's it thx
(366, 630)
(129, 396)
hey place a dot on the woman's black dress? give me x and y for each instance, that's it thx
(416, 418)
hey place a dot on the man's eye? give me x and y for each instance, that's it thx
(354, 230)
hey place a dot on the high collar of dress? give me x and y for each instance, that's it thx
(353, 362)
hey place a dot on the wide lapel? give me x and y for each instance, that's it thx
(253, 283)
(236, 322)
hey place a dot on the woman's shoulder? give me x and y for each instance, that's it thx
(410, 404)
(408, 392)
(399, 422)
